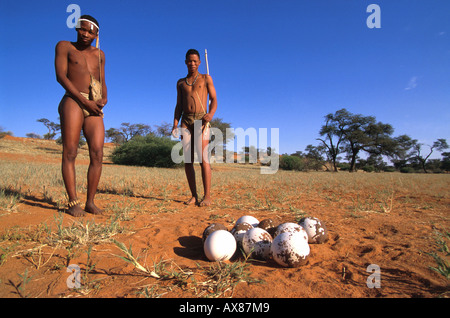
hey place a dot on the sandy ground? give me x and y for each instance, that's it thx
(397, 241)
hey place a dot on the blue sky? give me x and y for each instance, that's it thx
(275, 64)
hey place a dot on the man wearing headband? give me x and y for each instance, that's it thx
(80, 69)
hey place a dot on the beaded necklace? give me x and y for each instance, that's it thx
(185, 79)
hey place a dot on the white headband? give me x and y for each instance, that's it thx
(97, 44)
(79, 23)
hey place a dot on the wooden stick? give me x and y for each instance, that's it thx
(207, 69)
(209, 101)
(206, 59)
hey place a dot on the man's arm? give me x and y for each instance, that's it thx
(178, 112)
(104, 89)
(212, 98)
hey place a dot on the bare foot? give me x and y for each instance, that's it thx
(76, 211)
(191, 201)
(92, 208)
(206, 201)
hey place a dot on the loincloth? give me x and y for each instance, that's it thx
(86, 113)
(188, 119)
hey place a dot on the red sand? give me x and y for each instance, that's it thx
(397, 242)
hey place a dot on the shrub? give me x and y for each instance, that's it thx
(292, 163)
(368, 168)
(148, 151)
(343, 166)
(407, 170)
(389, 169)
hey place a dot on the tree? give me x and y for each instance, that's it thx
(128, 131)
(400, 153)
(52, 127)
(220, 146)
(333, 133)
(315, 156)
(363, 133)
(34, 136)
(115, 136)
(164, 130)
(218, 123)
(352, 133)
(250, 154)
(438, 145)
(445, 163)
(5, 133)
(373, 163)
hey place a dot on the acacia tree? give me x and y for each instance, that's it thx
(333, 134)
(438, 145)
(52, 127)
(5, 133)
(364, 133)
(445, 164)
(127, 131)
(164, 129)
(400, 151)
(315, 154)
(352, 133)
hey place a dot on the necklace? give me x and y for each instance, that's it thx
(185, 79)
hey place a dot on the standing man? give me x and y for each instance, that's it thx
(80, 69)
(192, 104)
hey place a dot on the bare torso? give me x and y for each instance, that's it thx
(193, 98)
(80, 64)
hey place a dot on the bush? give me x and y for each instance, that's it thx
(292, 163)
(368, 168)
(407, 170)
(148, 151)
(389, 169)
(343, 166)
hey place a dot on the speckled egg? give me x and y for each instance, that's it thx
(220, 245)
(211, 228)
(290, 249)
(257, 242)
(268, 225)
(316, 230)
(239, 230)
(249, 219)
(291, 228)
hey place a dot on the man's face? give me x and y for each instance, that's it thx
(87, 32)
(192, 63)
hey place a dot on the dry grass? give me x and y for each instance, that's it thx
(133, 192)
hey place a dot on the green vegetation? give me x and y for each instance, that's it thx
(148, 151)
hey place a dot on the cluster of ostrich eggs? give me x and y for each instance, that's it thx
(287, 243)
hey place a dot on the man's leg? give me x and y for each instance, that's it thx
(71, 118)
(94, 132)
(188, 150)
(206, 168)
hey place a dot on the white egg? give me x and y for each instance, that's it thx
(211, 228)
(239, 230)
(316, 230)
(249, 219)
(220, 245)
(291, 228)
(290, 249)
(257, 242)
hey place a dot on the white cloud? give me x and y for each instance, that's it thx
(412, 83)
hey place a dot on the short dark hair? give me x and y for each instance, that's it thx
(90, 18)
(192, 51)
